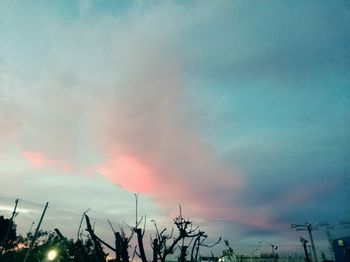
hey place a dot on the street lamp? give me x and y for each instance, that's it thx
(309, 228)
(273, 247)
(52, 254)
(304, 241)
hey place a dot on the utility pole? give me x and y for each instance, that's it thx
(31, 226)
(36, 233)
(309, 228)
(137, 201)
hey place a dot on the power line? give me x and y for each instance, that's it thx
(55, 209)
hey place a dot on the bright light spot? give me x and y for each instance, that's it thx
(52, 255)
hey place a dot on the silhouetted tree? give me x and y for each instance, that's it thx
(187, 234)
(7, 234)
(100, 256)
(185, 238)
(121, 244)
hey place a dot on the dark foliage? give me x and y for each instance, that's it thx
(7, 234)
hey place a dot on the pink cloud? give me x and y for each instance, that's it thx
(201, 193)
(151, 142)
(129, 173)
(40, 160)
(37, 159)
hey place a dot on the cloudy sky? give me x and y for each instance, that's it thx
(237, 110)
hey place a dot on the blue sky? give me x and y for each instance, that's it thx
(237, 110)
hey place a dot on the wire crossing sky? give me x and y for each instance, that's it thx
(237, 110)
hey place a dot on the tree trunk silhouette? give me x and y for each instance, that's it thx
(99, 255)
(140, 243)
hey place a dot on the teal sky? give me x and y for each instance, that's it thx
(238, 110)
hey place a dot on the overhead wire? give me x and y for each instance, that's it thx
(55, 209)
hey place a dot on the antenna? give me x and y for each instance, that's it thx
(136, 200)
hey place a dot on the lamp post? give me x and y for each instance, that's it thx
(309, 228)
(273, 247)
(304, 241)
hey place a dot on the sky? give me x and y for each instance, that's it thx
(237, 110)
